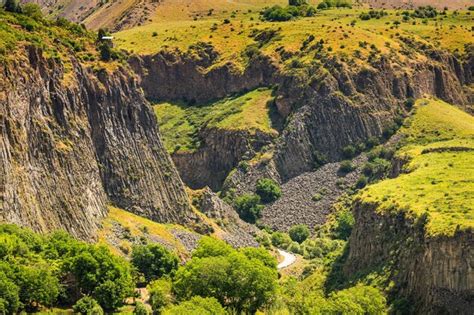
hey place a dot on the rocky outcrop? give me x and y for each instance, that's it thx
(72, 142)
(234, 231)
(434, 274)
(189, 77)
(219, 153)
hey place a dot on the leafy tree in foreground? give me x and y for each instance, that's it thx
(211, 247)
(160, 294)
(241, 283)
(197, 306)
(154, 261)
(87, 306)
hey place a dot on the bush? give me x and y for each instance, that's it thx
(12, 6)
(248, 207)
(197, 306)
(299, 233)
(344, 222)
(297, 2)
(9, 295)
(349, 151)
(87, 306)
(346, 167)
(280, 239)
(154, 261)
(362, 182)
(140, 309)
(277, 13)
(268, 190)
(211, 247)
(409, 103)
(160, 294)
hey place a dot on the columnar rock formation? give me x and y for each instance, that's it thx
(73, 141)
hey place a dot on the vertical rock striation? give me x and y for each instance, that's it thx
(71, 141)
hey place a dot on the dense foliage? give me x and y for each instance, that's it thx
(248, 207)
(38, 271)
(154, 261)
(299, 233)
(279, 14)
(197, 306)
(240, 280)
(268, 190)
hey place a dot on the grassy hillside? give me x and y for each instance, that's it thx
(439, 142)
(180, 123)
(122, 229)
(342, 31)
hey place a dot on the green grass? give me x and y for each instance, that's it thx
(180, 123)
(439, 183)
(332, 26)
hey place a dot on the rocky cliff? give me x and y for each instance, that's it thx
(326, 106)
(433, 274)
(73, 140)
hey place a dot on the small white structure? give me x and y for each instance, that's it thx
(107, 37)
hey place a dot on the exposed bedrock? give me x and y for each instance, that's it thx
(433, 273)
(326, 108)
(71, 143)
(220, 152)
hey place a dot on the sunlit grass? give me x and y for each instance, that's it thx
(440, 180)
(180, 123)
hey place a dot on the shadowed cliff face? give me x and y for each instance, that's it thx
(435, 273)
(73, 142)
(326, 107)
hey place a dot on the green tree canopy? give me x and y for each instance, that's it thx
(154, 261)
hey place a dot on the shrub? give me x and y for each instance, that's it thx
(297, 2)
(280, 239)
(299, 233)
(32, 10)
(248, 207)
(362, 182)
(12, 6)
(343, 226)
(346, 167)
(197, 306)
(409, 103)
(160, 294)
(140, 309)
(9, 295)
(87, 306)
(211, 247)
(261, 255)
(268, 190)
(349, 151)
(154, 261)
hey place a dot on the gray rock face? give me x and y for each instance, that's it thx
(435, 273)
(236, 232)
(325, 110)
(70, 143)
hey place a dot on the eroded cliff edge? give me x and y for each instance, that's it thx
(76, 139)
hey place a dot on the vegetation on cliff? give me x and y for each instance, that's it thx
(437, 181)
(180, 124)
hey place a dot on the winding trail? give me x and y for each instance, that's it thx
(288, 259)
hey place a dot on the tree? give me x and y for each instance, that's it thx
(154, 261)
(299, 233)
(268, 190)
(261, 255)
(248, 207)
(211, 247)
(105, 52)
(9, 295)
(38, 286)
(297, 2)
(160, 294)
(359, 299)
(12, 6)
(99, 273)
(32, 10)
(197, 306)
(140, 309)
(87, 306)
(241, 283)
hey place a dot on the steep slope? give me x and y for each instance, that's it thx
(419, 225)
(77, 135)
